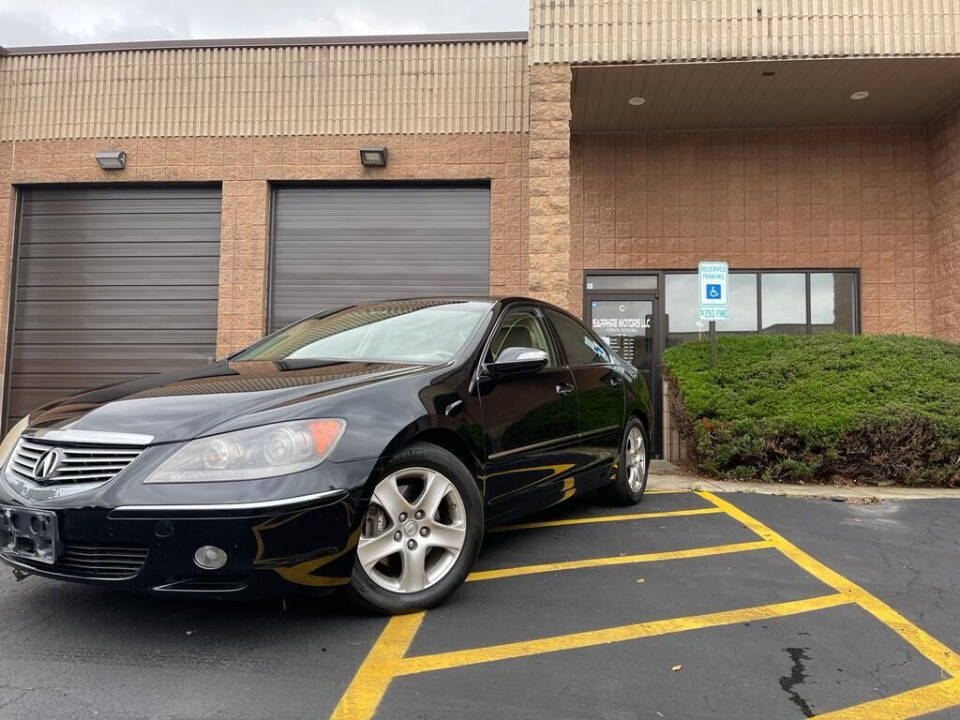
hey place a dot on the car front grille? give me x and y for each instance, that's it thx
(76, 462)
(95, 561)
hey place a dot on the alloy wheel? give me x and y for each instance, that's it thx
(414, 530)
(636, 457)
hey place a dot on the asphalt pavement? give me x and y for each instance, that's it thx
(687, 606)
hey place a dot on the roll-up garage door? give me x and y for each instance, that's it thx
(111, 283)
(336, 246)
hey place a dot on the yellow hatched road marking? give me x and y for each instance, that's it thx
(387, 658)
(370, 682)
(913, 703)
(591, 638)
(618, 560)
(927, 645)
(607, 518)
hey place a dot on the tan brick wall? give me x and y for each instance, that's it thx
(944, 135)
(245, 166)
(789, 198)
(313, 89)
(608, 31)
(549, 169)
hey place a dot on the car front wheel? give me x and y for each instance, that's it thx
(421, 533)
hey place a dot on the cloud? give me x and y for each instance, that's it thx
(56, 22)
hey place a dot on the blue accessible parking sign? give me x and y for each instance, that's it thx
(713, 290)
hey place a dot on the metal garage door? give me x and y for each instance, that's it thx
(341, 245)
(111, 283)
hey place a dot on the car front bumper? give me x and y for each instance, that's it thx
(304, 544)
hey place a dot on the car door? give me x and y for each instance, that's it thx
(529, 420)
(601, 397)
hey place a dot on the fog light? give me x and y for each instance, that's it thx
(209, 557)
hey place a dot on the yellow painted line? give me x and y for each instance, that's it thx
(927, 645)
(607, 518)
(507, 651)
(913, 703)
(380, 666)
(665, 492)
(618, 560)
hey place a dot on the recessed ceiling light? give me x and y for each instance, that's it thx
(637, 100)
(860, 95)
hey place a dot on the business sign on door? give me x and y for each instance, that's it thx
(713, 290)
(614, 318)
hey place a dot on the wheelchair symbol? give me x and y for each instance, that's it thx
(713, 292)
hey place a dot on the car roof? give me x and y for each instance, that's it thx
(492, 299)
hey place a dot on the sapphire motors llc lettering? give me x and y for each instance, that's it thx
(621, 323)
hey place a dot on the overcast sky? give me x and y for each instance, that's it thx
(62, 22)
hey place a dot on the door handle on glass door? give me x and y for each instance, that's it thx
(565, 389)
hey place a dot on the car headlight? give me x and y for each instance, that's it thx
(259, 452)
(11, 438)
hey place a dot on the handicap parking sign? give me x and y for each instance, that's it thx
(712, 278)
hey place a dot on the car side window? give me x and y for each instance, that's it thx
(579, 345)
(521, 328)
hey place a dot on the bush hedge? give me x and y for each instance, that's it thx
(881, 409)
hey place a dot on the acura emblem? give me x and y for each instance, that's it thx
(46, 465)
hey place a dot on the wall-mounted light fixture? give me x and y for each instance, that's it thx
(373, 156)
(112, 159)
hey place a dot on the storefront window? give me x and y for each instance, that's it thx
(683, 322)
(621, 282)
(783, 297)
(833, 302)
(778, 306)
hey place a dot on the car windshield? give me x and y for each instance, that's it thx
(413, 331)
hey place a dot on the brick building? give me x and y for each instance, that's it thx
(812, 144)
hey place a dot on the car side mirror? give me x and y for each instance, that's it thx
(520, 361)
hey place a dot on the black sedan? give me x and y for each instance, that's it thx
(366, 447)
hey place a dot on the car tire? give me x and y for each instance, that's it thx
(632, 468)
(415, 572)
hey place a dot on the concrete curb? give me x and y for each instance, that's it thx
(666, 476)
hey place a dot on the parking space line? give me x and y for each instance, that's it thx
(913, 703)
(387, 659)
(927, 645)
(591, 638)
(378, 668)
(606, 518)
(618, 560)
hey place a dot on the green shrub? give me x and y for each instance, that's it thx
(826, 407)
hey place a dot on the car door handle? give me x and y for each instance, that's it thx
(565, 388)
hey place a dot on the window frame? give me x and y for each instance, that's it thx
(558, 355)
(806, 272)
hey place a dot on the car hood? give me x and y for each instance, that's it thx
(190, 404)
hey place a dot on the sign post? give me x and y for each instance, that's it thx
(712, 281)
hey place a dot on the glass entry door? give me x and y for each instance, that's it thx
(628, 324)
